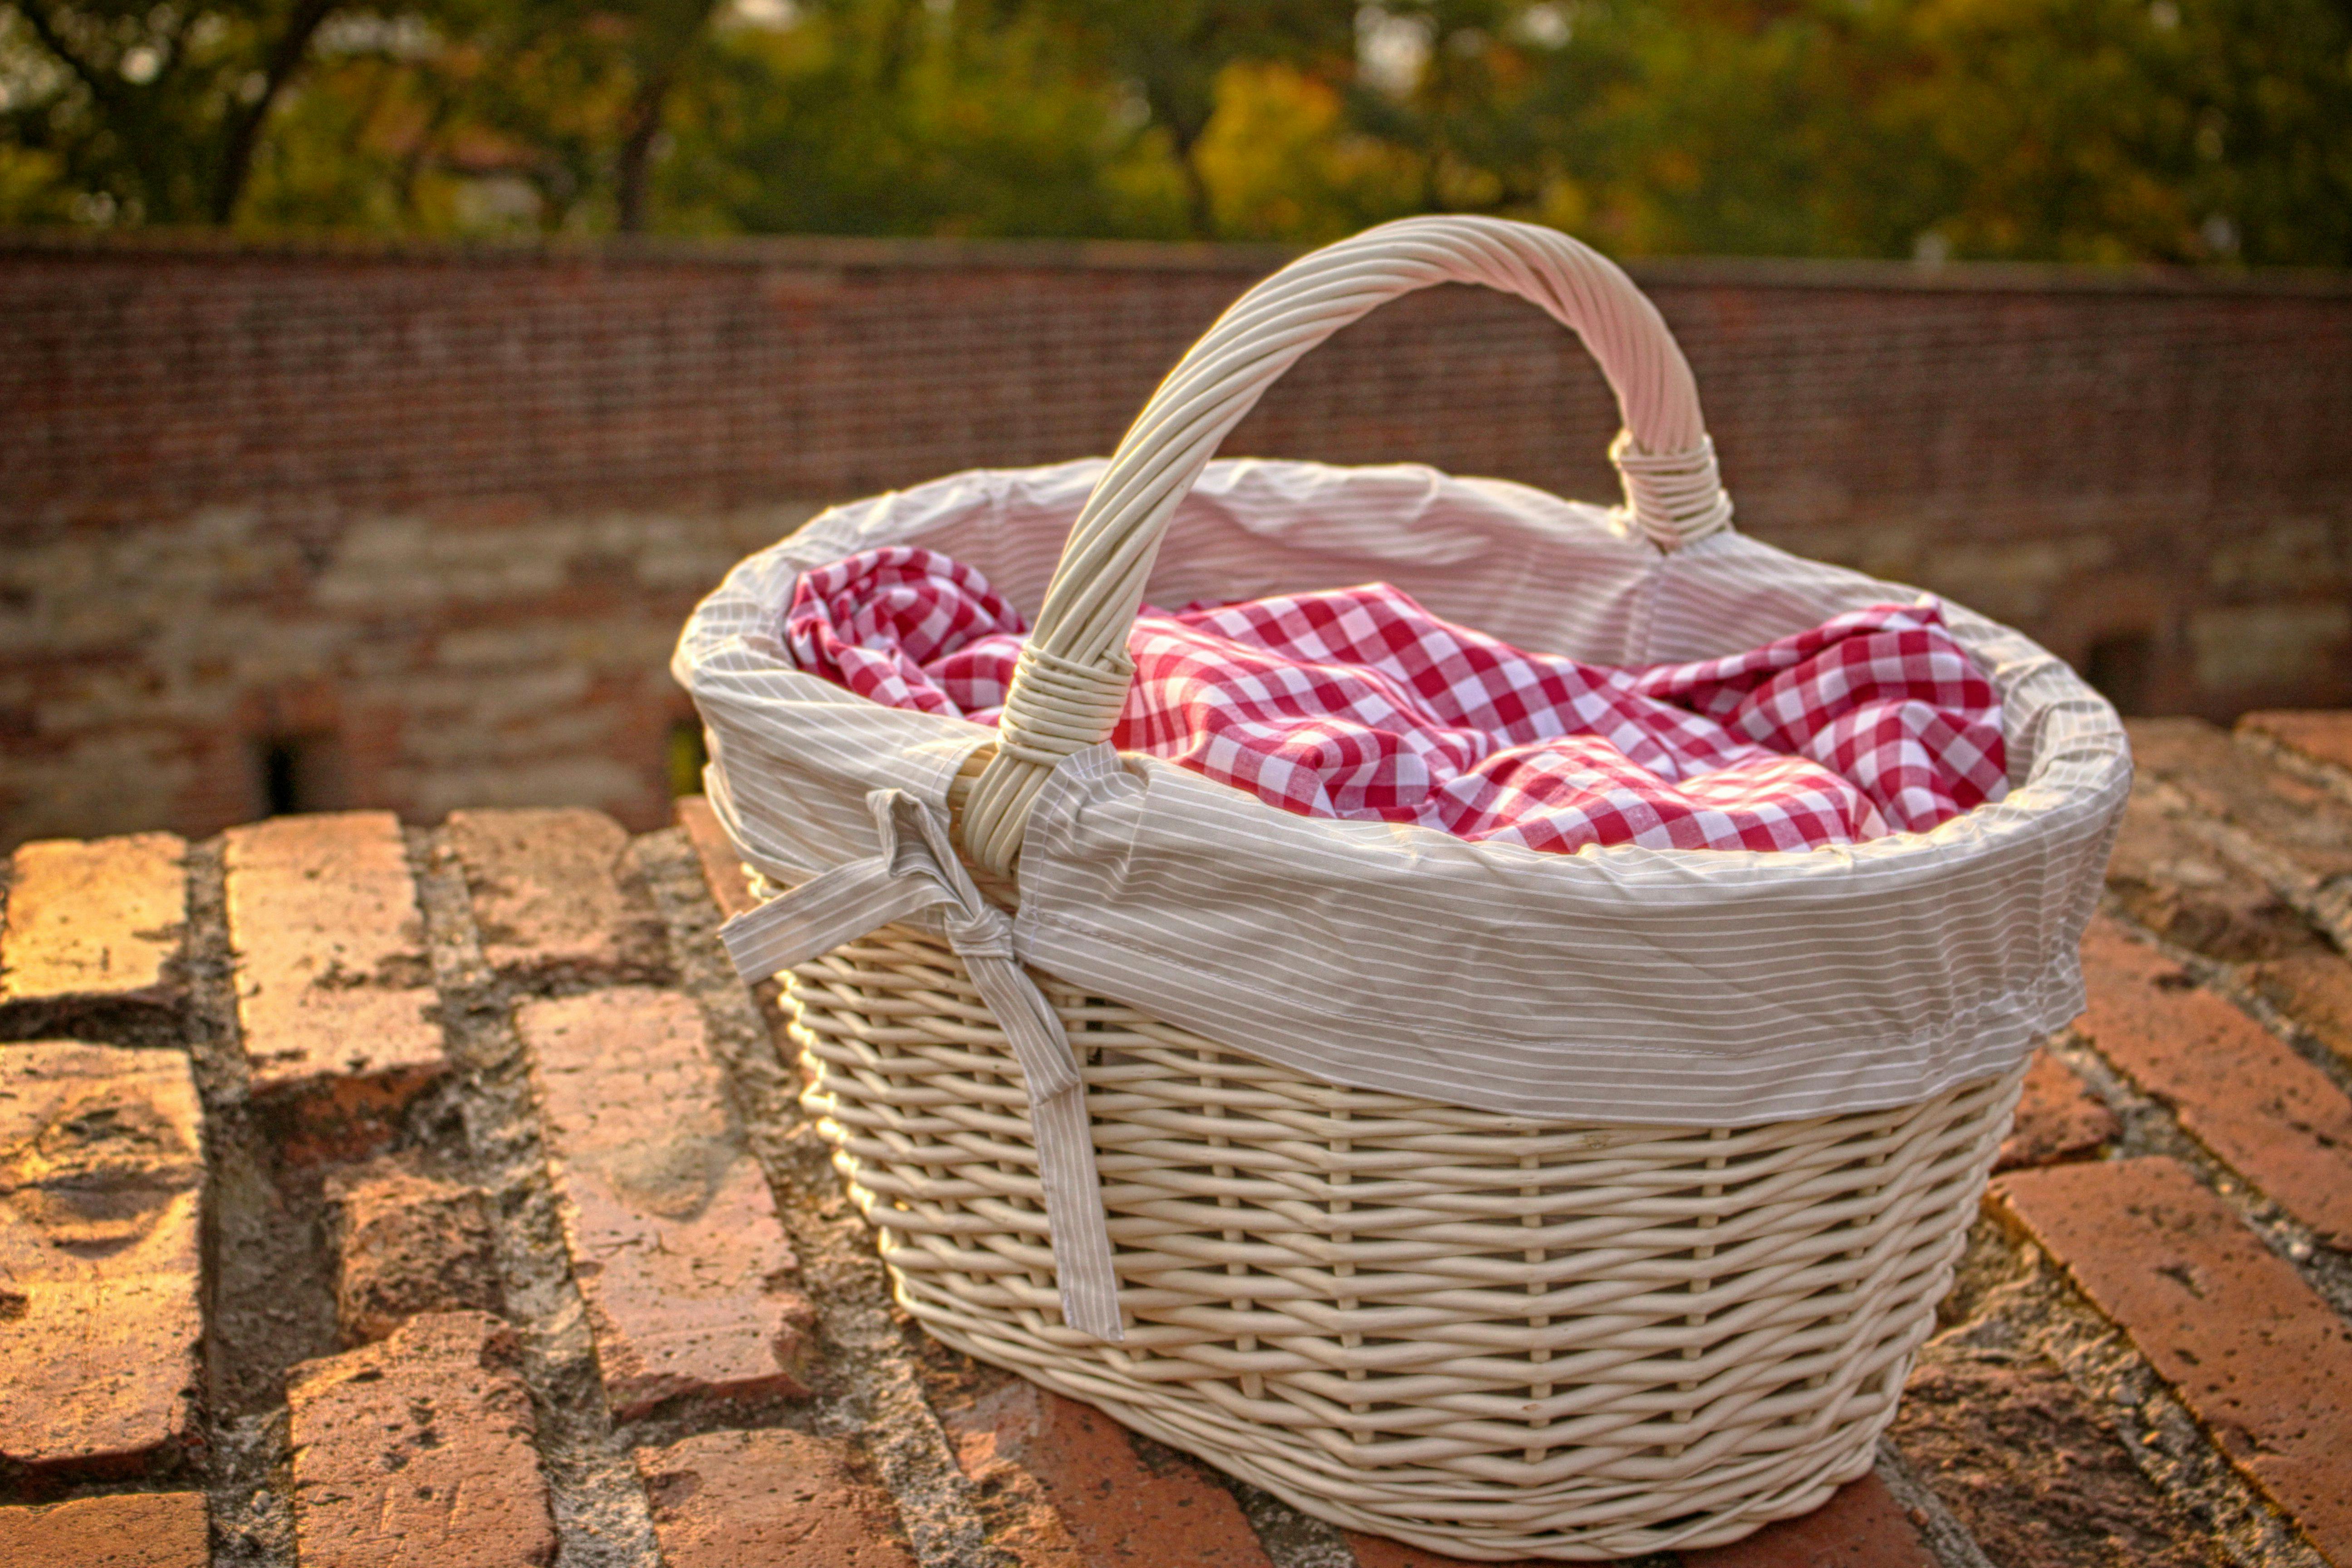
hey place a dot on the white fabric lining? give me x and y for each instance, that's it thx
(1616, 986)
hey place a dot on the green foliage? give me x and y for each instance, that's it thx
(1174, 55)
(141, 111)
(898, 120)
(2180, 131)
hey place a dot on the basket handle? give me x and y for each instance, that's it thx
(1073, 676)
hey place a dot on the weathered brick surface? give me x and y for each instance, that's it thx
(417, 1452)
(2314, 990)
(722, 868)
(2176, 884)
(101, 921)
(1379, 1551)
(673, 1232)
(553, 898)
(769, 1499)
(2324, 736)
(2304, 823)
(100, 1171)
(2058, 1118)
(1074, 1480)
(137, 1530)
(2260, 1358)
(420, 1446)
(406, 1244)
(334, 994)
(2240, 1090)
(2034, 1472)
(1861, 1527)
(2168, 879)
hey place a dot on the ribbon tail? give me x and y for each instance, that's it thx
(915, 870)
(1074, 1209)
(816, 917)
(1065, 1146)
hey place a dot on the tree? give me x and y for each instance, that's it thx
(2098, 130)
(1175, 53)
(2112, 129)
(661, 40)
(157, 112)
(2178, 131)
(889, 117)
(152, 113)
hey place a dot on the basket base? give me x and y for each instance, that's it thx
(1485, 1337)
(1848, 1455)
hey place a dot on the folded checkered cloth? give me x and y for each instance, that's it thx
(1358, 703)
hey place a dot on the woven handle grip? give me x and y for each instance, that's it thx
(1074, 674)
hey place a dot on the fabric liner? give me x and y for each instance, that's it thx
(1626, 984)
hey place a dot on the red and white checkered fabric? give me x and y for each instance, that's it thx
(1359, 703)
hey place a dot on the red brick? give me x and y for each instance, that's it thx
(99, 921)
(1115, 1507)
(99, 1254)
(2033, 1469)
(417, 1452)
(2314, 989)
(2264, 1363)
(2177, 886)
(2236, 1087)
(2058, 1118)
(1379, 1551)
(334, 992)
(1861, 1526)
(673, 1232)
(722, 867)
(553, 898)
(2303, 822)
(406, 1243)
(2323, 736)
(769, 1499)
(134, 1530)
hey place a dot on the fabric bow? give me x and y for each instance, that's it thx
(918, 870)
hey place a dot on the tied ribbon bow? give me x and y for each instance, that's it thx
(918, 869)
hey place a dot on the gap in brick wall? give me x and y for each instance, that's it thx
(2120, 667)
(298, 772)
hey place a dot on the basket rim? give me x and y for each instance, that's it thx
(2008, 657)
(1626, 984)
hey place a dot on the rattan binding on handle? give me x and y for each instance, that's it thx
(1067, 692)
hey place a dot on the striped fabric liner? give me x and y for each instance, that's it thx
(1623, 985)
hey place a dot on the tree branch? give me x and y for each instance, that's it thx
(636, 152)
(245, 125)
(102, 85)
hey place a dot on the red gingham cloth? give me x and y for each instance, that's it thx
(1358, 703)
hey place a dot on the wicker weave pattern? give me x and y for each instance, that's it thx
(1481, 1335)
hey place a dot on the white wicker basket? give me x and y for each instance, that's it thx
(1493, 1339)
(1485, 1334)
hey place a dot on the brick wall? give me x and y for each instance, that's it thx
(414, 527)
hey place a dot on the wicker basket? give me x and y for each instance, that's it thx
(1487, 1337)
(1485, 1334)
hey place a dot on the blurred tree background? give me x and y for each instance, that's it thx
(2177, 131)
